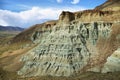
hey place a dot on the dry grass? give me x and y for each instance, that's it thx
(10, 53)
(10, 61)
(5, 38)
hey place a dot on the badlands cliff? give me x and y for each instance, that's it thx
(72, 46)
(77, 42)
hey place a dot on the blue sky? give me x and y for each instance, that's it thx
(25, 13)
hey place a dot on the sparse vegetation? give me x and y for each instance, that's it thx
(5, 38)
(5, 75)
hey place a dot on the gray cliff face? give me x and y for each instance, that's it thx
(113, 62)
(66, 49)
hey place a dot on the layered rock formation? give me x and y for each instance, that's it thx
(113, 62)
(66, 50)
(82, 41)
(34, 32)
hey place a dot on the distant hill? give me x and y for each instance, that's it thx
(10, 28)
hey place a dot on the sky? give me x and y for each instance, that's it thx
(25, 13)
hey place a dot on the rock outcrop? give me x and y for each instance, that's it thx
(66, 17)
(113, 62)
(68, 49)
(35, 32)
(77, 42)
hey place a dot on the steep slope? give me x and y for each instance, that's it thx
(71, 46)
(82, 41)
(110, 5)
(31, 34)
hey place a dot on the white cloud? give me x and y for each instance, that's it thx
(59, 1)
(30, 17)
(3, 22)
(75, 1)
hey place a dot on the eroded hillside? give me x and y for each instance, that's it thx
(77, 42)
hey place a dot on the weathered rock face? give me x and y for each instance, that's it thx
(88, 40)
(113, 62)
(35, 32)
(68, 49)
(42, 32)
(66, 17)
(108, 57)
